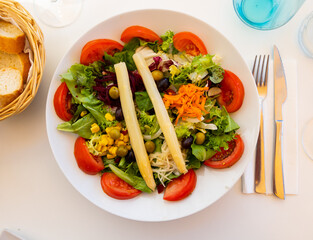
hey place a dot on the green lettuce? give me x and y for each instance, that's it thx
(167, 44)
(215, 142)
(80, 127)
(215, 139)
(182, 130)
(148, 123)
(133, 180)
(143, 101)
(198, 71)
(80, 80)
(222, 120)
(201, 152)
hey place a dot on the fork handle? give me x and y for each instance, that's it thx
(259, 174)
(278, 178)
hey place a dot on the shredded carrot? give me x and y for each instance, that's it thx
(189, 101)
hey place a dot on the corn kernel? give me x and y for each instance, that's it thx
(108, 129)
(110, 141)
(94, 128)
(118, 126)
(109, 117)
(104, 141)
(99, 148)
(113, 150)
(128, 147)
(120, 143)
(104, 149)
(83, 113)
(126, 138)
(121, 137)
(110, 156)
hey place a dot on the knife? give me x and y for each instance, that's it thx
(280, 94)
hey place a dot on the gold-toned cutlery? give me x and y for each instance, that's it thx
(260, 74)
(280, 95)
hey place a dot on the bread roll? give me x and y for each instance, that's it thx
(12, 39)
(11, 85)
(19, 61)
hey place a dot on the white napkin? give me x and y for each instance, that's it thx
(289, 138)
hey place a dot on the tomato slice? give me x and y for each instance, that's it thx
(117, 188)
(227, 158)
(190, 43)
(94, 50)
(139, 32)
(85, 160)
(62, 102)
(233, 92)
(181, 187)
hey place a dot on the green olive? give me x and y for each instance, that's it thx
(121, 151)
(115, 133)
(157, 75)
(150, 146)
(200, 137)
(114, 93)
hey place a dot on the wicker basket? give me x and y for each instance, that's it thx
(14, 10)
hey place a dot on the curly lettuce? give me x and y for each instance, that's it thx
(199, 71)
(148, 123)
(80, 80)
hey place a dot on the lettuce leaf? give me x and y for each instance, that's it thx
(182, 130)
(215, 139)
(201, 152)
(133, 180)
(193, 162)
(167, 44)
(148, 123)
(80, 80)
(198, 70)
(143, 101)
(222, 120)
(80, 127)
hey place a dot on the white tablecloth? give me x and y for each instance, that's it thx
(38, 202)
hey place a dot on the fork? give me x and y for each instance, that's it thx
(260, 74)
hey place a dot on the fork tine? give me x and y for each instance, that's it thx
(254, 65)
(262, 78)
(266, 70)
(257, 75)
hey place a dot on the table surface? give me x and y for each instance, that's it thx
(37, 201)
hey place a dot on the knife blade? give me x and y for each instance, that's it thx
(280, 95)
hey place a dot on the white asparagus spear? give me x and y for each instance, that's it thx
(132, 124)
(161, 112)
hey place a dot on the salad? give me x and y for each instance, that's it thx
(150, 112)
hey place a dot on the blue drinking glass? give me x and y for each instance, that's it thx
(266, 14)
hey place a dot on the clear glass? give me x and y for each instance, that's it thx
(306, 35)
(58, 13)
(266, 14)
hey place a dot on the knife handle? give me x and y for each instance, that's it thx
(259, 172)
(278, 178)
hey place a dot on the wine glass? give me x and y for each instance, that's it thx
(305, 38)
(266, 14)
(57, 13)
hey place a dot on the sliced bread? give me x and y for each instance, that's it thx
(19, 61)
(11, 85)
(12, 39)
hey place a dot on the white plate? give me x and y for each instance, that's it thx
(211, 184)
